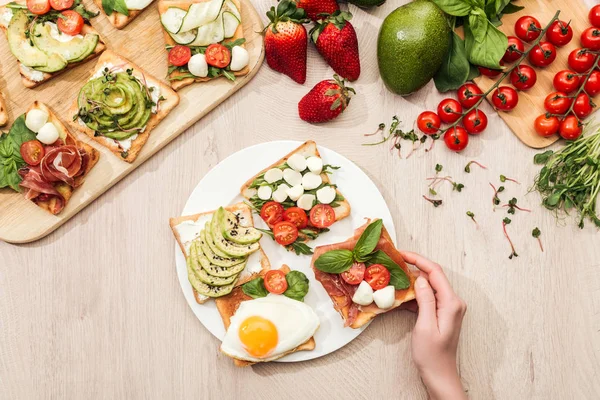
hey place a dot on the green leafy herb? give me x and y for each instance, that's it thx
(10, 153)
(335, 261)
(297, 285)
(398, 278)
(468, 166)
(438, 168)
(368, 241)
(536, 233)
(255, 288)
(455, 69)
(110, 6)
(505, 222)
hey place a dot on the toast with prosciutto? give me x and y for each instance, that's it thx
(365, 276)
(41, 158)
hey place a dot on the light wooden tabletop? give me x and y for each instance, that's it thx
(95, 309)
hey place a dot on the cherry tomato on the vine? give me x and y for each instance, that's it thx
(514, 50)
(583, 106)
(557, 103)
(475, 122)
(546, 125)
(559, 33)
(592, 86)
(566, 81)
(523, 77)
(543, 54)
(594, 16)
(570, 128)
(505, 98)
(469, 94)
(429, 122)
(590, 39)
(581, 60)
(528, 28)
(456, 138)
(449, 110)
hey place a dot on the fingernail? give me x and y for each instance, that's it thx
(421, 282)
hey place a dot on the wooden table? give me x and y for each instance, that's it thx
(95, 309)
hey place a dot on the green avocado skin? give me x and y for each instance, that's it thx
(366, 3)
(411, 46)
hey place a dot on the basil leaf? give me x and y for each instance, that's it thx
(368, 240)
(297, 285)
(10, 153)
(478, 24)
(455, 69)
(398, 278)
(473, 71)
(335, 261)
(255, 288)
(458, 8)
(121, 7)
(511, 8)
(489, 52)
(107, 6)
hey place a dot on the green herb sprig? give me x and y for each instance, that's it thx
(536, 233)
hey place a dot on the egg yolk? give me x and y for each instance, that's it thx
(258, 336)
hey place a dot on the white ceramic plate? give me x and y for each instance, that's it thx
(221, 186)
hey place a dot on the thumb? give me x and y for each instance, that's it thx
(427, 307)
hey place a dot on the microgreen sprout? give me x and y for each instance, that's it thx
(505, 179)
(468, 166)
(436, 180)
(438, 168)
(512, 205)
(471, 215)
(379, 129)
(513, 253)
(436, 203)
(536, 234)
(496, 199)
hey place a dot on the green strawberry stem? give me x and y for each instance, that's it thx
(286, 11)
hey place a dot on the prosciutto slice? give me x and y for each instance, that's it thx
(39, 188)
(62, 163)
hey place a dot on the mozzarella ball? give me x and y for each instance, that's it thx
(363, 295)
(264, 192)
(48, 133)
(384, 298)
(295, 192)
(315, 164)
(35, 119)
(292, 177)
(273, 175)
(326, 194)
(297, 162)
(239, 58)
(311, 181)
(283, 187)
(198, 66)
(306, 201)
(279, 196)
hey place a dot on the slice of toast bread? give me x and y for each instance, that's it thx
(119, 20)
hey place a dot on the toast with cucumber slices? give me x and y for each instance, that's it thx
(204, 39)
(122, 12)
(221, 248)
(3, 112)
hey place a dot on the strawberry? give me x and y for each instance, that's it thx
(335, 39)
(315, 7)
(285, 40)
(327, 100)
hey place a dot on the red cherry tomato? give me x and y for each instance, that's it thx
(469, 94)
(583, 106)
(71, 23)
(32, 152)
(217, 55)
(180, 55)
(505, 98)
(456, 138)
(528, 28)
(559, 33)
(592, 86)
(543, 54)
(296, 216)
(285, 233)
(581, 60)
(38, 7)
(570, 128)
(61, 5)
(557, 103)
(594, 16)
(355, 275)
(275, 281)
(490, 72)
(449, 110)
(271, 212)
(590, 39)
(514, 50)
(523, 77)
(546, 125)
(475, 122)
(322, 216)
(377, 276)
(566, 81)
(429, 122)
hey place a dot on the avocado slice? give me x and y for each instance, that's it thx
(203, 275)
(210, 242)
(226, 246)
(24, 50)
(215, 259)
(72, 51)
(215, 270)
(233, 231)
(203, 288)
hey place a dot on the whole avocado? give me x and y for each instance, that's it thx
(366, 3)
(412, 43)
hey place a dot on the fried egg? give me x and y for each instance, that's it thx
(264, 329)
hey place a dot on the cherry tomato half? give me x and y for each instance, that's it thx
(594, 16)
(505, 98)
(590, 39)
(557, 103)
(559, 33)
(456, 139)
(377, 276)
(592, 86)
(514, 50)
(581, 60)
(429, 122)
(469, 94)
(523, 77)
(179, 55)
(570, 128)
(296, 216)
(546, 125)
(543, 54)
(322, 216)
(71, 23)
(61, 5)
(271, 212)
(38, 7)
(217, 55)
(285, 233)
(355, 274)
(449, 110)
(475, 122)
(32, 152)
(567, 81)
(583, 106)
(528, 28)
(275, 281)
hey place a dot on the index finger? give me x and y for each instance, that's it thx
(437, 278)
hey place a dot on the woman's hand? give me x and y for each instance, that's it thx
(436, 333)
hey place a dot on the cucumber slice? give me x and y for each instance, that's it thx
(184, 37)
(200, 14)
(230, 24)
(172, 19)
(231, 7)
(210, 33)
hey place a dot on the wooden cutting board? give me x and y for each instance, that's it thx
(531, 103)
(142, 42)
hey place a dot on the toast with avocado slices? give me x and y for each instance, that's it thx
(3, 111)
(228, 305)
(121, 12)
(42, 50)
(221, 248)
(120, 105)
(197, 25)
(52, 162)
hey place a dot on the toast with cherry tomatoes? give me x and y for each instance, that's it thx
(3, 112)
